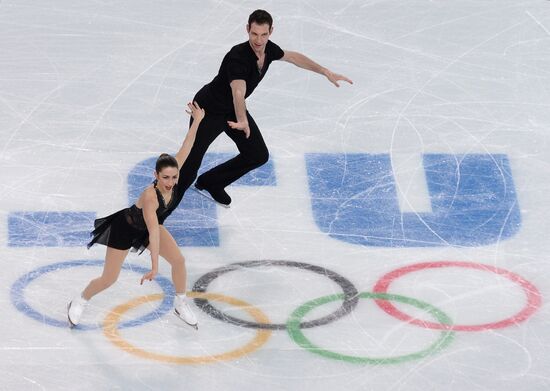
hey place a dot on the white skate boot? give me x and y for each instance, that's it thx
(75, 309)
(182, 311)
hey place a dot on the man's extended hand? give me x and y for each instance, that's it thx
(334, 78)
(240, 126)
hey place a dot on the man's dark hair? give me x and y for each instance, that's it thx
(260, 17)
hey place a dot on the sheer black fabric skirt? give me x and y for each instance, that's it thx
(122, 230)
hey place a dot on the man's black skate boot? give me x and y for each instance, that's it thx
(218, 194)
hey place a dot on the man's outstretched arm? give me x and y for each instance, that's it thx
(304, 62)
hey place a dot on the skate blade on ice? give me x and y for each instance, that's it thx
(71, 324)
(196, 325)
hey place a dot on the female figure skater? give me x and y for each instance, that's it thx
(140, 227)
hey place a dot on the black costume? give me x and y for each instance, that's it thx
(126, 228)
(240, 63)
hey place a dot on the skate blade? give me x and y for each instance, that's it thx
(206, 195)
(71, 324)
(195, 326)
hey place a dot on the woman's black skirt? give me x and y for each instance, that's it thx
(121, 231)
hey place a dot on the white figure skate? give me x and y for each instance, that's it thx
(75, 308)
(183, 311)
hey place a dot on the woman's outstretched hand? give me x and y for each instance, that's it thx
(195, 111)
(148, 276)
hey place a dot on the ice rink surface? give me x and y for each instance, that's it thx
(397, 239)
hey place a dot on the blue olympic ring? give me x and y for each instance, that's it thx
(18, 297)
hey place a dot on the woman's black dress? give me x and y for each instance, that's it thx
(127, 229)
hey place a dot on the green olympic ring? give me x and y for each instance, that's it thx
(295, 332)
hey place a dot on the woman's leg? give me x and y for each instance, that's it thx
(111, 269)
(170, 251)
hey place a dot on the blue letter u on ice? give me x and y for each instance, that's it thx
(473, 200)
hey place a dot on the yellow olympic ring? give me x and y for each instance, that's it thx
(110, 329)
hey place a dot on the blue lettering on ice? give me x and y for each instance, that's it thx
(195, 222)
(473, 200)
(49, 229)
(353, 198)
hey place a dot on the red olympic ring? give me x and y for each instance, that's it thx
(531, 292)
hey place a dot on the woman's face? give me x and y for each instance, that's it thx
(167, 178)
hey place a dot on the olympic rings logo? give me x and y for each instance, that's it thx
(19, 286)
(294, 326)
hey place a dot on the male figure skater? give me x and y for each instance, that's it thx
(223, 99)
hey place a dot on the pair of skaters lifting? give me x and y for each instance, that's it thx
(217, 107)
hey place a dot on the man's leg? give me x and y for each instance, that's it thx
(210, 127)
(253, 154)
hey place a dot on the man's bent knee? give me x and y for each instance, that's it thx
(259, 158)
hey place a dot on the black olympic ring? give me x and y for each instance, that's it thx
(351, 295)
